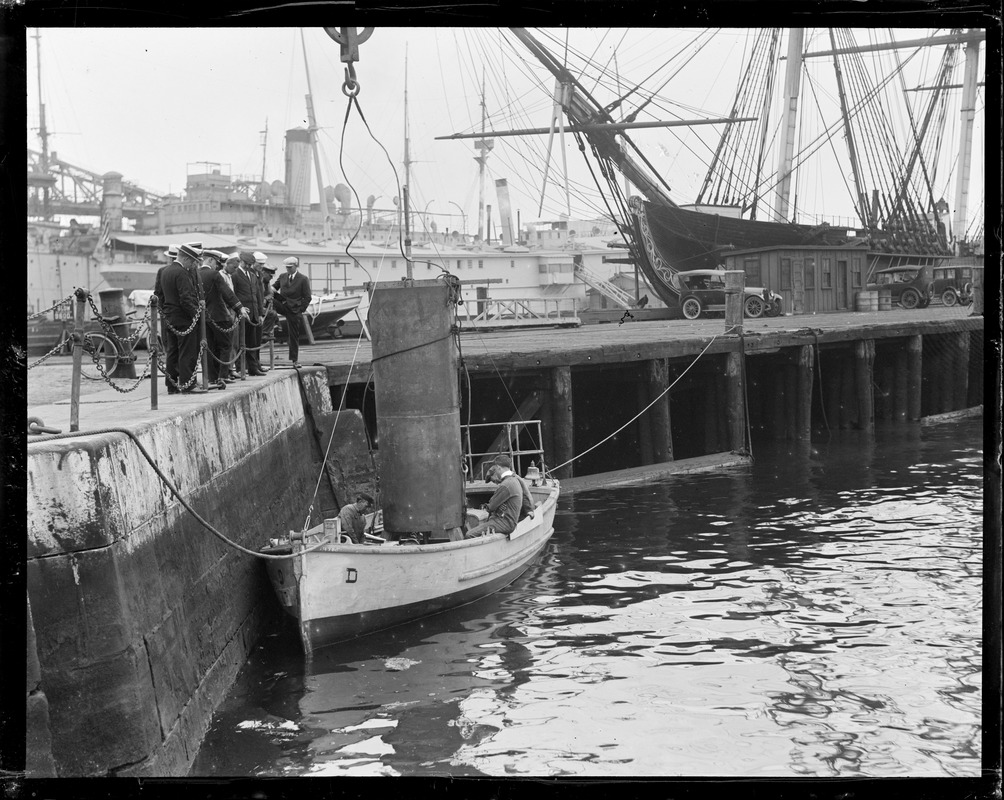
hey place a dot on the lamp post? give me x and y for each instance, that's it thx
(463, 215)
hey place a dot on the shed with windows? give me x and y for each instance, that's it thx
(810, 278)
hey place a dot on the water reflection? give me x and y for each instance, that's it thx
(815, 615)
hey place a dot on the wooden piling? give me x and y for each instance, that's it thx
(777, 421)
(644, 424)
(734, 399)
(938, 375)
(915, 360)
(735, 280)
(709, 411)
(790, 400)
(804, 367)
(848, 395)
(830, 390)
(563, 420)
(864, 368)
(960, 371)
(899, 386)
(656, 375)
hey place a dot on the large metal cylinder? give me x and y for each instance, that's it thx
(418, 406)
(298, 167)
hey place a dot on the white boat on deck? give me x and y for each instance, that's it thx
(341, 591)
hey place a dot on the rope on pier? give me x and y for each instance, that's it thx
(167, 482)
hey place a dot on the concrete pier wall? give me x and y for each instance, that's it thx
(140, 618)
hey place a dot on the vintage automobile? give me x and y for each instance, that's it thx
(954, 285)
(703, 290)
(908, 285)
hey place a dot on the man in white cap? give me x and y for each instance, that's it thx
(181, 307)
(230, 264)
(291, 300)
(172, 254)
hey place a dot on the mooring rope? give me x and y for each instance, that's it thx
(167, 482)
(646, 408)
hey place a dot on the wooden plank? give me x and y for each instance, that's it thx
(637, 476)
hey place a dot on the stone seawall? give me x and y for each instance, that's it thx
(138, 617)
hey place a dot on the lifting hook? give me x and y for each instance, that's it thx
(349, 38)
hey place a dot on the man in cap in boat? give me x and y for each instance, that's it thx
(247, 287)
(181, 308)
(505, 506)
(221, 307)
(291, 300)
(352, 519)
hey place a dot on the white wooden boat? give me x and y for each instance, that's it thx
(341, 591)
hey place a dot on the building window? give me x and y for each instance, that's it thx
(512, 263)
(827, 282)
(459, 264)
(856, 273)
(375, 267)
(470, 263)
(751, 266)
(786, 273)
(481, 264)
(393, 263)
(810, 273)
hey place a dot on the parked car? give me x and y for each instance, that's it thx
(703, 290)
(954, 285)
(908, 284)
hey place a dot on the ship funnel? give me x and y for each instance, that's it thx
(417, 406)
(505, 211)
(298, 163)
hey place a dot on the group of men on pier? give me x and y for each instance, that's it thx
(233, 289)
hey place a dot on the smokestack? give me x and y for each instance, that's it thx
(111, 199)
(502, 190)
(298, 162)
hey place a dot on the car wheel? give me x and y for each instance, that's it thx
(753, 306)
(691, 307)
(910, 298)
(949, 297)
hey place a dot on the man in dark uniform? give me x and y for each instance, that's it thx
(219, 301)
(247, 287)
(181, 307)
(291, 300)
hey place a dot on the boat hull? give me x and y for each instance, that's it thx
(342, 591)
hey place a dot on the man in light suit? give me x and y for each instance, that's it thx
(291, 299)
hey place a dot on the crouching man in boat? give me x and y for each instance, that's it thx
(352, 519)
(508, 504)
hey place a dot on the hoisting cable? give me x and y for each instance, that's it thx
(646, 408)
(173, 489)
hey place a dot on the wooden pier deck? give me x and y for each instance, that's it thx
(347, 360)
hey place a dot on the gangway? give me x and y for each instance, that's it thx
(604, 287)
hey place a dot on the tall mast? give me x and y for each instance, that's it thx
(485, 146)
(43, 133)
(582, 109)
(792, 88)
(407, 172)
(864, 207)
(312, 123)
(264, 151)
(968, 113)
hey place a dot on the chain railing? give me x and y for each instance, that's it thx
(106, 362)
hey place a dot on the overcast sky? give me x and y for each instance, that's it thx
(152, 103)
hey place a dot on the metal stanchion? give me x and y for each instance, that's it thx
(241, 338)
(78, 348)
(271, 352)
(205, 350)
(154, 350)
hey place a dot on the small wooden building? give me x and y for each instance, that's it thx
(810, 278)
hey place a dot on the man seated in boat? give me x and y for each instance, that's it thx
(508, 504)
(352, 519)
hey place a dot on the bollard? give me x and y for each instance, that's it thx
(153, 348)
(271, 352)
(735, 281)
(78, 346)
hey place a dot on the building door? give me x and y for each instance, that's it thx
(797, 287)
(481, 293)
(841, 285)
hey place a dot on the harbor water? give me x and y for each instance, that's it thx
(818, 614)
